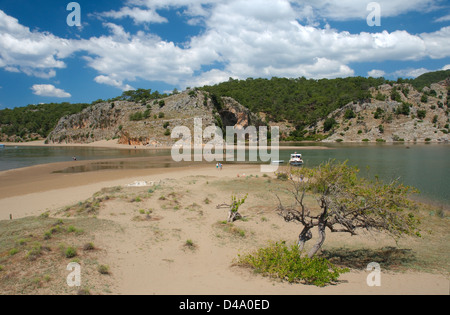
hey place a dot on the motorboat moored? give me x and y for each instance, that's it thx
(296, 159)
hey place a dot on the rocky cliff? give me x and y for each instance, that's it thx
(150, 123)
(396, 113)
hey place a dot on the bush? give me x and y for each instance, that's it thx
(47, 235)
(88, 246)
(70, 252)
(136, 116)
(379, 113)
(283, 262)
(349, 114)
(167, 132)
(35, 252)
(404, 109)
(421, 114)
(395, 96)
(380, 97)
(329, 124)
(282, 176)
(103, 269)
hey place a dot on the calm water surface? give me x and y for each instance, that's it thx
(426, 167)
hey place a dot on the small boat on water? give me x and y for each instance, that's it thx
(296, 159)
(278, 162)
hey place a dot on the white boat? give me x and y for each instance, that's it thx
(296, 159)
(278, 162)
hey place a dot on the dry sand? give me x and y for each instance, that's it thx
(148, 255)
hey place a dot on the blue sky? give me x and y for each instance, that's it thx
(167, 44)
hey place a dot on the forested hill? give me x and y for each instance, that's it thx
(303, 102)
(428, 78)
(299, 101)
(34, 121)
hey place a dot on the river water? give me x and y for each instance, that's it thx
(424, 166)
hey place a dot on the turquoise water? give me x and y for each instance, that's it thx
(426, 167)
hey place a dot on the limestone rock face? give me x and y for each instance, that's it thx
(391, 124)
(107, 121)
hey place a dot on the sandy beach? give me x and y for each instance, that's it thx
(148, 255)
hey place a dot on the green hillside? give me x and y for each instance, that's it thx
(35, 119)
(429, 78)
(299, 101)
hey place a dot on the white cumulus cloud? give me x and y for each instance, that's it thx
(49, 90)
(33, 53)
(376, 73)
(138, 15)
(239, 39)
(101, 79)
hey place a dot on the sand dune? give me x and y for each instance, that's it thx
(149, 255)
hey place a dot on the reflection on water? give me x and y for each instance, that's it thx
(426, 167)
(19, 157)
(120, 165)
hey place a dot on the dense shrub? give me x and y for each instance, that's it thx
(329, 124)
(421, 114)
(283, 262)
(379, 113)
(349, 114)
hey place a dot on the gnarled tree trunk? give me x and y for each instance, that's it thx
(233, 216)
(321, 227)
(304, 236)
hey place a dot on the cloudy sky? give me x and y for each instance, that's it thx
(167, 44)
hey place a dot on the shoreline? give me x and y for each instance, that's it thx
(148, 257)
(37, 189)
(112, 144)
(44, 177)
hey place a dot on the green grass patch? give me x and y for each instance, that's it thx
(230, 228)
(70, 252)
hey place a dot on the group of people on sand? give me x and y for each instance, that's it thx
(219, 166)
